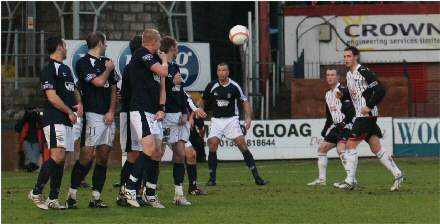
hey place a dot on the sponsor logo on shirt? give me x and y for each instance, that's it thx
(69, 86)
(222, 103)
(176, 88)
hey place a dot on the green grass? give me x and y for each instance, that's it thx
(236, 199)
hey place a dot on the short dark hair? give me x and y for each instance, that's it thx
(53, 42)
(353, 50)
(166, 43)
(93, 39)
(223, 64)
(135, 43)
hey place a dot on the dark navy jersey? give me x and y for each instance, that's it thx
(144, 84)
(224, 99)
(125, 89)
(57, 76)
(95, 99)
(175, 96)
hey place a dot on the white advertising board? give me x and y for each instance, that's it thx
(390, 32)
(193, 60)
(290, 139)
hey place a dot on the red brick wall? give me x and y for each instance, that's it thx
(308, 98)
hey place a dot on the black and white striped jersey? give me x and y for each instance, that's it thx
(339, 110)
(365, 90)
(224, 98)
(190, 102)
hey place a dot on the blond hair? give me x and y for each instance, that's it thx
(150, 35)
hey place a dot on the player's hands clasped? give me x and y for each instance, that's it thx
(79, 109)
(72, 117)
(109, 117)
(183, 119)
(160, 115)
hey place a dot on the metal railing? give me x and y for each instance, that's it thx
(26, 63)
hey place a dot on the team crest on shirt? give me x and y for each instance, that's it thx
(147, 57)
(215, 94)
(89, 77)
(229, 95)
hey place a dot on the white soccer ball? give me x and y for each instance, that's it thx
(239, 35)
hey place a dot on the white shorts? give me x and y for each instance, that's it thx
(176, 132)
(97, 132)
(228, 127)
(125, 131)
(77, 128)
(59, 136)
(144, 124)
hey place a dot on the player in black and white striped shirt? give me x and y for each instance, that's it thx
(224, 95)
(340, 114)
(366, 91)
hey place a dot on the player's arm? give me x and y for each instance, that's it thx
(375, 91)
(347, 105)
(56, 101)
(160, 115)
(248, 110)
(99, 81)
(79, 105)
(109, 117)
(161, 69)
(197, 110)
(328, 121)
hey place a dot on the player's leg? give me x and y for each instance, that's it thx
(249, 159)
(179, 172)
(85, 161)
(99, 175)
(212, 160)
(191, 167)
(324, 147)
(358, 133)
(387, 161)
(52, 168)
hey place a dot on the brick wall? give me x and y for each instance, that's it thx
(118, 20)
(432, 107)
(308, 97)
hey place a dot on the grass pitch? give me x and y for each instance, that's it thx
(236, 198)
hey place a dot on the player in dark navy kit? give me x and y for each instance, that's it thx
(147, 110)
(129, 143)
(224, 93)
(340, 114)
(98, 82)
(190, 151)
(175, 132)
(366, 91)
(58, 118)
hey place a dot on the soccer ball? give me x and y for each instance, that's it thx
(239, 35)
